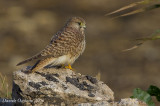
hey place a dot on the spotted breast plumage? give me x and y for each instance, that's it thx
(64, 48)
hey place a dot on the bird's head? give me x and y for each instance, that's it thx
(77, 22)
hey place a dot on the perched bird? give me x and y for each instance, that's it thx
(64, 48)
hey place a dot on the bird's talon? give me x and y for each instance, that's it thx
(69, 67)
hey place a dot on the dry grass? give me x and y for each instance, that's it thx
(148, 3)
(4, 87)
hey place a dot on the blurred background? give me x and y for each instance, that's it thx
(27, 26)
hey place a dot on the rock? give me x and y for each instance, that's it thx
(131, 102)
(123, 102)
(52, 86)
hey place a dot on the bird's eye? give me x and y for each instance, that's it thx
(79, 23)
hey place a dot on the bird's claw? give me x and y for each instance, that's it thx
(69, 67)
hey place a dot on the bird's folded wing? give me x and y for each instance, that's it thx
(62, 44)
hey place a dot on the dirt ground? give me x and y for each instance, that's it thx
(27, 26)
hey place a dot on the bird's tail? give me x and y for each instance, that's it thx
(29, 59)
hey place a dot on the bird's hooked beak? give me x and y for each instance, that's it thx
(83, 25)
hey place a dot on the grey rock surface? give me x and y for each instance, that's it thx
(122, 102)
(58, 87)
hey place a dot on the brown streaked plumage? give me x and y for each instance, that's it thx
(65, 46)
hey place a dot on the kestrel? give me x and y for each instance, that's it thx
(64, 48)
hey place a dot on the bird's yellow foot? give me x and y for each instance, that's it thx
(69, 67)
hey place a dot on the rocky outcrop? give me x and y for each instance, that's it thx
(63, 87)
(58, 87)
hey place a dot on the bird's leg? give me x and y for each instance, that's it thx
(41, 64)
(69, 67)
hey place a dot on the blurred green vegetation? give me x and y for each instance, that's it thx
(154, 91)
(143, 96)
(146, 95)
